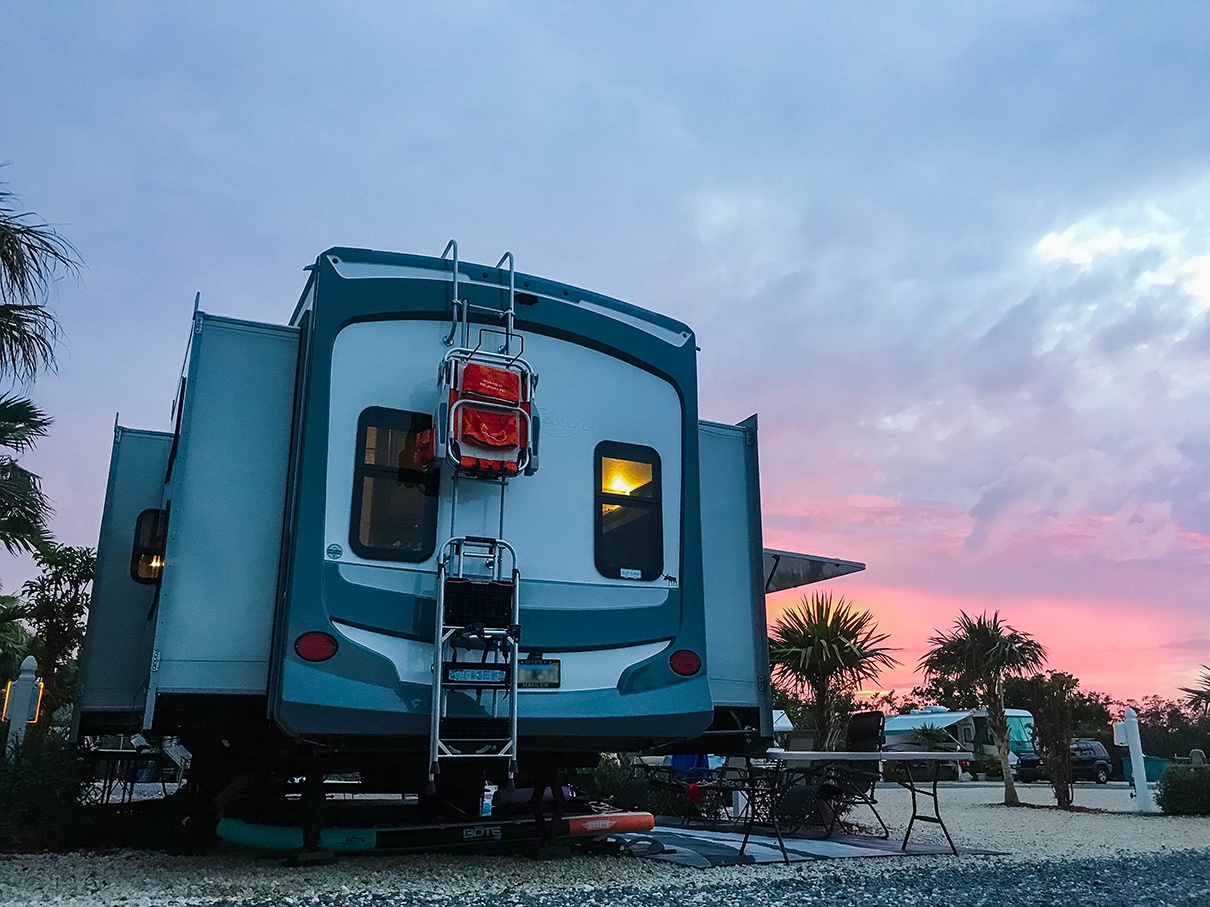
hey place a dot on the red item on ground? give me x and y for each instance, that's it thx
(609, 823)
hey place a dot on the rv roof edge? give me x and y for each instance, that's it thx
(363, 264)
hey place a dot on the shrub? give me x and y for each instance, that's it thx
(608, 778)
(43, 785)
(1184, 790)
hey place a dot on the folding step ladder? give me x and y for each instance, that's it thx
(483, 431)
(475, 651)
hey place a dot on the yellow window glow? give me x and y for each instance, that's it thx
(623, 476)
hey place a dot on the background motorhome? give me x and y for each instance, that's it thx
(1020, 734)
(375, 540)
(959, 727)
(967, 731)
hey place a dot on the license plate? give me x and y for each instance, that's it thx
(534, 674)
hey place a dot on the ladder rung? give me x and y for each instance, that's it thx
(476, 638)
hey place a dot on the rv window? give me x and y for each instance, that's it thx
(147, 555)
(629, 536)
(394, 500)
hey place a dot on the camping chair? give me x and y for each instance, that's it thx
(689, 789)
(634, 795)
(852, 784)
(781, 798)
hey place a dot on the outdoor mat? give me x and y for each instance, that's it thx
(703, 849)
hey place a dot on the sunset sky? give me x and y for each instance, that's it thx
(956, 255)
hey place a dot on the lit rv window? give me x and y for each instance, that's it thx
(629, 536)
(394, 499)
(147, 555)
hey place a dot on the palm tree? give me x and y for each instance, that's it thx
(24, 509)
(980, 652)
(930, 737)
(31, 254)
(14, 638)
(1198, 697)
(821, 649)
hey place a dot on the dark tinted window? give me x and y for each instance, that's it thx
(629, 538)
(394, 500)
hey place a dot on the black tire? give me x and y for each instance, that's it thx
(1102, 775)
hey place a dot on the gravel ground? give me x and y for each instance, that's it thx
(1112, 858)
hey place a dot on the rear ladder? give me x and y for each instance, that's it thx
(484, 432)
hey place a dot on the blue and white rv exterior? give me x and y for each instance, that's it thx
(611, 375)
(306, 538)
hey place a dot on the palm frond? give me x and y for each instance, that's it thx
(821, 643)
(28, 334)
(24, 509)
(12, 609)
(982, 651)
(31, 254)
(1198, 698)
(21, 423)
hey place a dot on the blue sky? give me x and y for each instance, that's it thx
(956, 255)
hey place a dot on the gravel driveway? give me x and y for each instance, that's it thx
(1114, 858)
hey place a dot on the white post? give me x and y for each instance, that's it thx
(1138, 765)
(22, 703)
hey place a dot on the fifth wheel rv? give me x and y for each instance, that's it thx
(450, 522)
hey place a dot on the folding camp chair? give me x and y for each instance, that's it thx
(850, 784)
(781, 798)
(689, 789)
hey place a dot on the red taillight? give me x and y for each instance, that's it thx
(315, 646)
(685, 663)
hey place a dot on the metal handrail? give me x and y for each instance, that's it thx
(456, 302)
(512, 300)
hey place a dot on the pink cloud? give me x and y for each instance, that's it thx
(1125, 626)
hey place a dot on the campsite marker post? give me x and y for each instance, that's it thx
(1127, 733)
(21, 703)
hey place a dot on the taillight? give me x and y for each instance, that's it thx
(685, 663)
(315, 646)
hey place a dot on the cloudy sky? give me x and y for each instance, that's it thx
(956, 256)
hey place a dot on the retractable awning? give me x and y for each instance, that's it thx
(786, 569)
(905, 724)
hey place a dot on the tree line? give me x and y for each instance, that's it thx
(824, 649)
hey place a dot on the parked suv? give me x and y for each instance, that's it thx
(1089, 762)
